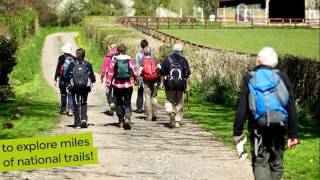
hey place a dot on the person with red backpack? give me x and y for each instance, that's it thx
(175, 72)
(81, 78)
(121, 71)
(149, 72)
(64, 61)
(104, 72)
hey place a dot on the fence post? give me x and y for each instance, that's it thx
(157, 23)
(192, 23)
(180, 19)
(168, 21)
(147, 24)
(205, 23)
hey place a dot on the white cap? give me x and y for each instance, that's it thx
(268, 56)
(67, 48)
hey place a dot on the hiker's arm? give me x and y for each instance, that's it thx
(104, 68)
(60, 62)
(291, 108)
(110, 74)
(242, 111)
(91, 76)
(187, 70)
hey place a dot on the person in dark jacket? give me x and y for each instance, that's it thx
(175, 91)
(60, 78)
(267, 142)
(80, 95)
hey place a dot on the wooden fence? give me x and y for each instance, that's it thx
(190, 22)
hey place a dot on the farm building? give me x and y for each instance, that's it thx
(271, 8)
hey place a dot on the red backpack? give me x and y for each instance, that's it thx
(150, 69)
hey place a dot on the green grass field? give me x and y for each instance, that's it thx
(299, 42)
(35, 102)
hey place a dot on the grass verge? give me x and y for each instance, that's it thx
(34, 110)
(299, 42)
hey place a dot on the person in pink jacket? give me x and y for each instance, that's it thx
(104, 72)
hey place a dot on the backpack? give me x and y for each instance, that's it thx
(65, 65)
(175, 78)
(150, 69)
(81, 75)
(268, 97)
(122, 70)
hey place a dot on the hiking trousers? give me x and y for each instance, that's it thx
(150, 93)
(139, 102)
(110, 97)
(123, 102)
(80, 107)
(66, 97)
(267, 151)
(174, 103)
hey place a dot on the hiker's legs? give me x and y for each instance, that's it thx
(179, 106)
(154, 102)
(260, 163)
(148, 104)
(84, 97)
(139, 102)
(63, 93)
(276, 159)
(170, 107)
(120, 103)
(127, 102)
(76, 103)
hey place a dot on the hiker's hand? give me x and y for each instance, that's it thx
(237, 139)
(55, 83)
(107, 90)
(161, 86)
(94, 89)
(101, 80)
(292, 142)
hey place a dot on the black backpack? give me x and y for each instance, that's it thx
(175, 80)
(122, 70)
(80, 75)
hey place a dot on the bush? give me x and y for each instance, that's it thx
(8, 49)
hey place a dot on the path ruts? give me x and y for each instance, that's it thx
(149, 151)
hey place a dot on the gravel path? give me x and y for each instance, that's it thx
(149, 151)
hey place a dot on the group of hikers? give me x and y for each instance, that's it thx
(76, 77)
(266, 99)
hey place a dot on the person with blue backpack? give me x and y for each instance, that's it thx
(267, 99)
(64, 61)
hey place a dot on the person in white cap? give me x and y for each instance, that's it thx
(175, 72)
(267, 101)
(64, 61)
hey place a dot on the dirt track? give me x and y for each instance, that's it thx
(149, 151)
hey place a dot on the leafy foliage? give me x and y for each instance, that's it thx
(8, 49)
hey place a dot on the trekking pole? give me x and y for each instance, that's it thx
(188, 100)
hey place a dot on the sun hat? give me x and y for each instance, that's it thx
(67, 48)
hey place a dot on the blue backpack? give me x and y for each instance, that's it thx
(268, 97)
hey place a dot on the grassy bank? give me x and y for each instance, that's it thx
(299, 42)
(35, 108)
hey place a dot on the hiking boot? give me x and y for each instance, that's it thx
(127, 124)
(154, 118)
(121, 122)
(70, 112)
(148, 119)
(112, 107)
(84, 124)
(63, 111)
(177, 124)
(172, 120)
(109, 113)
(77, 127)
(139, 111)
